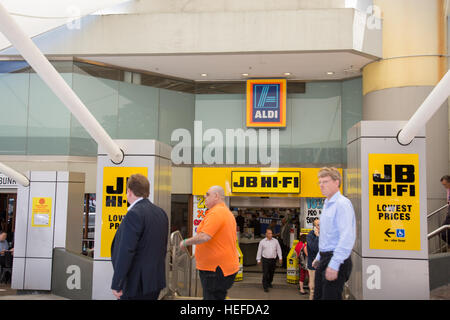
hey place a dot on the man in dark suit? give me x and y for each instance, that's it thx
(139, 247)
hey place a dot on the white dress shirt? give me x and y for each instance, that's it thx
(132, 205)
(268, 249)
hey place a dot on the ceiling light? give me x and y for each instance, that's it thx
(245, 74)
(204, 75)
(287, 73)
(330, 73)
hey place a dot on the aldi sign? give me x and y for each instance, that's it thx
(266, 103)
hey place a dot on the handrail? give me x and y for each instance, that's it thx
(438, 230)
(175, 239)
(438, 210)
(172, 236)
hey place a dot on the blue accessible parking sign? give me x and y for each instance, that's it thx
(400, 233)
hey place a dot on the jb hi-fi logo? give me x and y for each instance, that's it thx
(115, 195)
(400, 184)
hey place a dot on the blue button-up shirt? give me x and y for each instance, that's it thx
(337, 229)
(4, 245)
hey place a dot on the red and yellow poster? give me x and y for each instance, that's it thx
(41, 212)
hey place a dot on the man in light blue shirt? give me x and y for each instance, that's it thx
(4, 246)
(337, 237)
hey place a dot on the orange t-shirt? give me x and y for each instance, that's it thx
(220, 224)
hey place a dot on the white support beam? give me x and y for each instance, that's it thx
(60, 88)
(20, 178)
(38, 17)
(426, 110)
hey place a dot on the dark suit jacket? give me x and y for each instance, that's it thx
(139, 250)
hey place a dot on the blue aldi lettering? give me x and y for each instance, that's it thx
(266, 102)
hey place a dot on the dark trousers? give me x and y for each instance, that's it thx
(150, 296)
(284, 252)
(268, 266)
(215, 285)
(330, 290)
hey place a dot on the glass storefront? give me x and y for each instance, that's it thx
(152, 107)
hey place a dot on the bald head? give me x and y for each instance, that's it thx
(219, 190)
(215, 195)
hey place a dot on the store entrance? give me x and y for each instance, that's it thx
(254, 215)
(8, 214)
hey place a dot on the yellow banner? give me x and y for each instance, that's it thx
(394, 206)
(114, 202)
(265, 182)
(41, 212)
(205, 177)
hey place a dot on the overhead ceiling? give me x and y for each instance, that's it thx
(227, 67)
(37, 17)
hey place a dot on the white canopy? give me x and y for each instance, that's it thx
(36, 17)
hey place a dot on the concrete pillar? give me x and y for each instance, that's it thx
(49, 215)
(414, 49)
(148, 157)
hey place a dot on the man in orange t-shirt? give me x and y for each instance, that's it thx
(216, 254)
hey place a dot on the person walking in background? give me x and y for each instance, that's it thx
(302, 254)
(138, 251)
(268, 250)
(312, 239)
(445, 180)
(272, 226)
(4, 247)
(285, 239)
(256, 225)
(337, 236)
(240, 221)
(216, 255)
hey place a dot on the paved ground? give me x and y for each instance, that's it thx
(249, 288)
(441, 293)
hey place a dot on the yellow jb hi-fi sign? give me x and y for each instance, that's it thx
(394, 206)
(258, 182)
(114, 202)
(266, 181)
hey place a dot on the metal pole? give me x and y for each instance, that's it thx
(428, 108)
(20, 178)
(60, 88)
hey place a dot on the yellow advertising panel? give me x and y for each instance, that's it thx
(265, 181)
(240, 181)
(41, 212)
(114, 202)
(394, 205)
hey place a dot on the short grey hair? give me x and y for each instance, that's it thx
(333, 173)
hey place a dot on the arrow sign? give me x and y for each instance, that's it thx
(388, 233)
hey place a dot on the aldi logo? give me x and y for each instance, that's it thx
(266, 103)
(266, 96)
